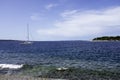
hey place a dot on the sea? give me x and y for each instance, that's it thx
(83, 54)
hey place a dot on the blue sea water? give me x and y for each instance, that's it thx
(83, 54)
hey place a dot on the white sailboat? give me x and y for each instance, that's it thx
(28, 37)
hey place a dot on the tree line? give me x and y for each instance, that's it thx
(115, 38)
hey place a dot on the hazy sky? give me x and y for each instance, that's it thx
(59, 19)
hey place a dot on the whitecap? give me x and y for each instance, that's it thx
(11, 66)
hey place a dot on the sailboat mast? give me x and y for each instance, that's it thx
(27, 32)
(27, 36)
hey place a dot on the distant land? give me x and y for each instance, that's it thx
(107, 38)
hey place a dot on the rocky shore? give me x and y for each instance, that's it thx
(60, 73)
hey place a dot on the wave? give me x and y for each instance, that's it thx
(11, 66)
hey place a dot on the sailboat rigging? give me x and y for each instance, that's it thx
(28, 37)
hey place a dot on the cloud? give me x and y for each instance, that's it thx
(76, 24)
(49, 6)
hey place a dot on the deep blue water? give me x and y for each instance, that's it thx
(62, 53)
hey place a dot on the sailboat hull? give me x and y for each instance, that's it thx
(27, 42)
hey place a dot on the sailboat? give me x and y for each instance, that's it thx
(28, 37)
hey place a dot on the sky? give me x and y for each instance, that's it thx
(56, 20)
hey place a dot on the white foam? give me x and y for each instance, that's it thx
(10, 66)
(62, 68)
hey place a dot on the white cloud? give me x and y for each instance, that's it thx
(49, 6)
(69, 13)
(78, 24)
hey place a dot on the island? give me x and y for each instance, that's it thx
(107, 38)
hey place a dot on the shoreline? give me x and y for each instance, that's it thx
(105, 41)
(19, 77)
(61, 73)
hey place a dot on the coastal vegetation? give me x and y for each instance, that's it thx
(108, 38)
